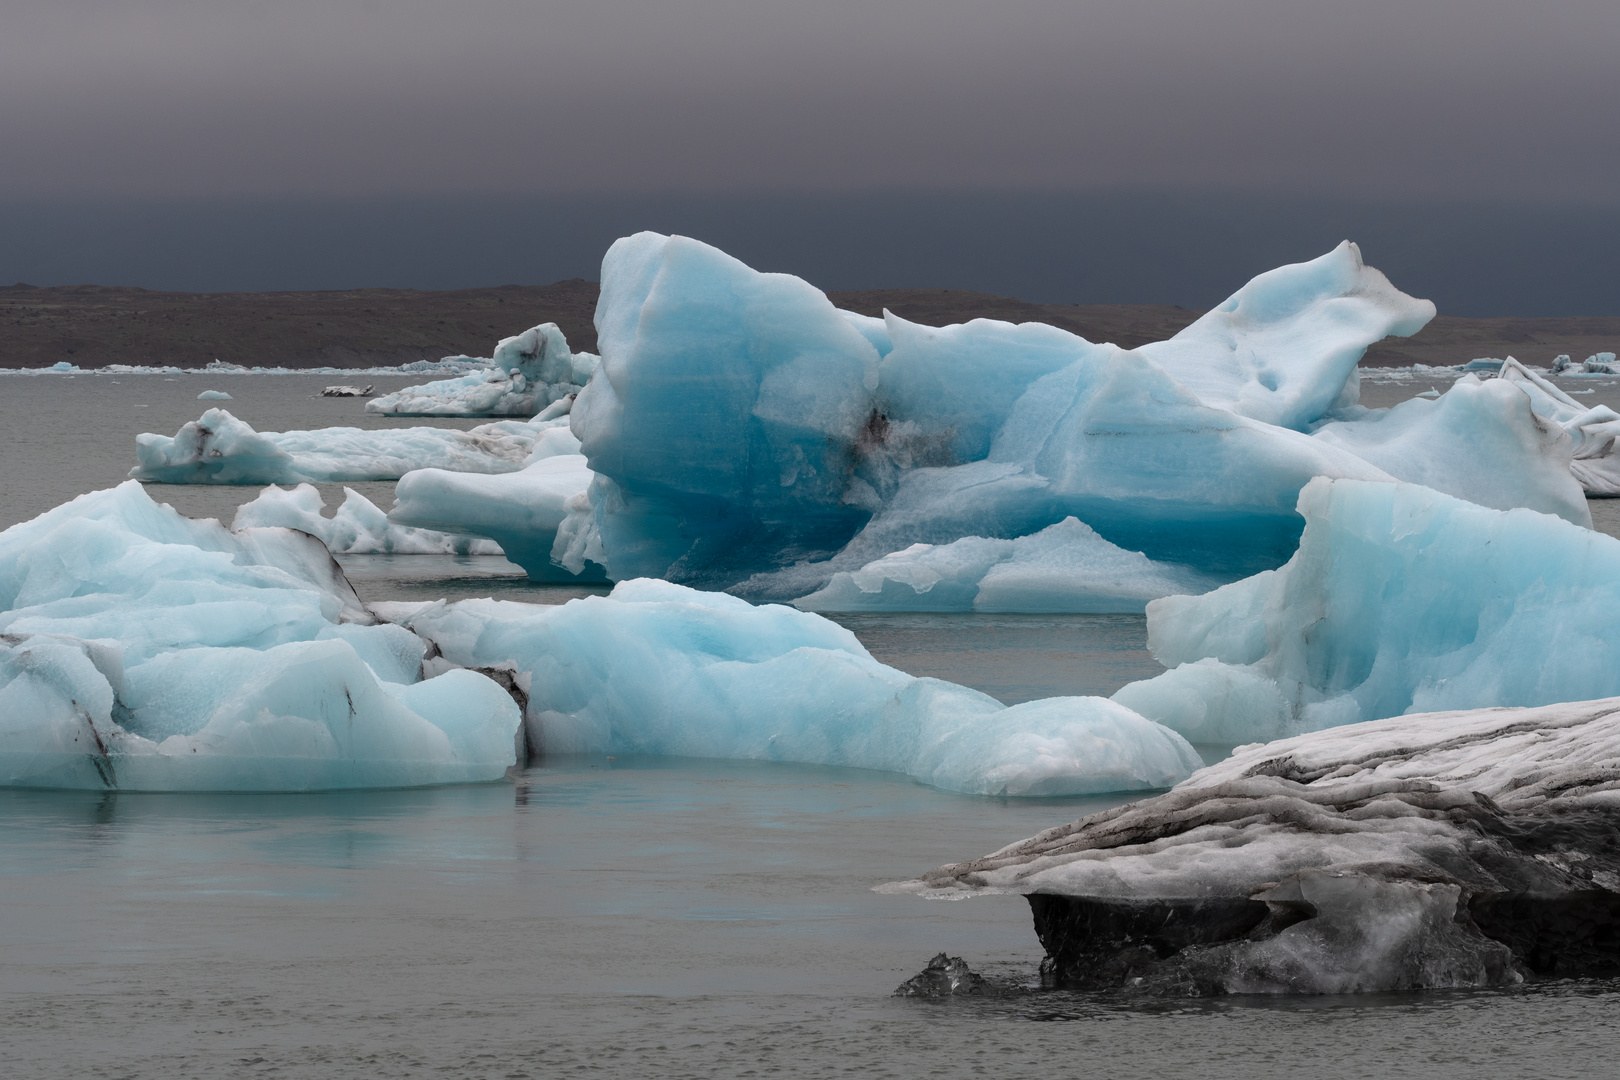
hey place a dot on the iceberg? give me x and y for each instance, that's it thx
(658, 668)
(220, 449)
(740, 425)
(358, 528)
(213, 395)
(1595, 461)
(1446, 850)
(1399, 600)
(141, 650)
(528, 372)
(1064, 567)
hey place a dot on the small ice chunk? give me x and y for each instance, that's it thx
(213, 395)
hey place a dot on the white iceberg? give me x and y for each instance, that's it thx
(141, 650)
(1064, 567)
(1399, 600)
(528, 372)
(658, 668)
(1593, 429)
(220, 449)
(359, 527)
(213, 395)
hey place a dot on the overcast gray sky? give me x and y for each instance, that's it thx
(1452, 99)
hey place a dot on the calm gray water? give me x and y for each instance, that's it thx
(598, 917)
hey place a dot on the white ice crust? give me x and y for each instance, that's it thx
(658, 668)
(141, 650)
(1399, 600)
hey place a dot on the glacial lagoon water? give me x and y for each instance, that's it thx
(604, 917)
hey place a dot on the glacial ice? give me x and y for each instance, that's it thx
(740, 426)
(220, 449)
(524, 512)
(141, 650)
(1478, 441)
(358, 527)
(1399, 600)
(528, 372)
(658, 668)
(213, 395)
(1064, 567)
(1594, 430)
(1459, 849)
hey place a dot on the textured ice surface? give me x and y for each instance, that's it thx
(1064, 567)
(220, 449)
(1399, 600)
(358, 527)
(1593, 429)
(747, 434)
(1480, 441)
(141, 650)
(527, 373)
(658, 668)
(1443, 850)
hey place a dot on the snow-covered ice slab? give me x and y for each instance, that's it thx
(658, 668)
(142, 650)
(359, 527)
(220, 449)
(1064, 567)
(1462, 849)
(1398, 600)
(528, 372)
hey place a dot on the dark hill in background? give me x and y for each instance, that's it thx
(93, 325)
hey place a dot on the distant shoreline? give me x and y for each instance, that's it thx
(93, 326)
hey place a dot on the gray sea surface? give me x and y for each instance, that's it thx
(601, 917)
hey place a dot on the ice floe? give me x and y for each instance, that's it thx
(1593, 429)
(1399, 599)
(659, 668)
(141, 650)
(528, 372)
(359, 527)
(1463, 849)
(220, 449)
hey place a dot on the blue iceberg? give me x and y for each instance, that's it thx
(1399, 600)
